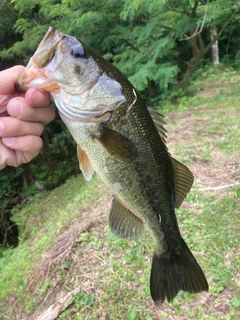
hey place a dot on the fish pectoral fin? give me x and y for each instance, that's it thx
(123, 223)
(115, 143)
(183, 181)
(85, 164)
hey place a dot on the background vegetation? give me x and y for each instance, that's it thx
(68, 265)
(63, 248)
(157, 44)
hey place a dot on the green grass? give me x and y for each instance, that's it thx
(121, 274)
(111, 275)
(39, 223)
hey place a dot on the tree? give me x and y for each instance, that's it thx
(214, 12)
(157, 44)
(215, 50)
(7, 35)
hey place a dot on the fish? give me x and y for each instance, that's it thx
(124, 142)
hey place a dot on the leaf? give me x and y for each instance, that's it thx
(132, 313)
(82, 298)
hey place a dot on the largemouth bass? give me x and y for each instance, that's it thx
(123, 141)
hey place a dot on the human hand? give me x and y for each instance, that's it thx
(22, 119)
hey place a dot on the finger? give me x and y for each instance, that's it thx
(26, 147)
(19, 108)
(11, 127)
(37, 98)
(8, 79)
(7, 156)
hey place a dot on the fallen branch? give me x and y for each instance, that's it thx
(57, 254)
(62, 301)
(217, 188)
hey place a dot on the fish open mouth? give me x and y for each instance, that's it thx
(80, 89)
(36, 73)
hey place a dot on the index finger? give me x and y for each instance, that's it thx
(8, 78)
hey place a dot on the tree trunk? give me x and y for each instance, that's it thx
(215, 51)
(192, 65)
(202, 50)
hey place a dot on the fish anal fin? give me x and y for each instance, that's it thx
(183, 181)
(123, 223)
(85, 164)
(172, 272)
(115, 143)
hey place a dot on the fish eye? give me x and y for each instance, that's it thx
(78, 51)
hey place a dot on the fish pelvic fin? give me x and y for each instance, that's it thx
(171, 273)
(123, 223)
(85, 164)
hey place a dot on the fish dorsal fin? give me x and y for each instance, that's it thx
(182, 175)
(115, 143)
(183, 181)
(85, 164)
(159, 123)
(123, 223)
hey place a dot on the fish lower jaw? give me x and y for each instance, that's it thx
(35, 78)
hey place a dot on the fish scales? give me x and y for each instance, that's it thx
(137, 198)
(124, 142)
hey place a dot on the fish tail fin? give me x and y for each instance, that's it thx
(172, 272)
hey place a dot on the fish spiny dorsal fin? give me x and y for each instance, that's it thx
(123, 223)
(183, 181)
(85, 164)
(182, 175)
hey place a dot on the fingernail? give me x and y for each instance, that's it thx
(8, 140)
(1, 127)
(14, 107)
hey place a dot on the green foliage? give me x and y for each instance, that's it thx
(132, 313)
(45, 286)
(144, 39)
(9, 197)
(129, 33)
(82, 298)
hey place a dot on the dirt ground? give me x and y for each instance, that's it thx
(217, 175)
